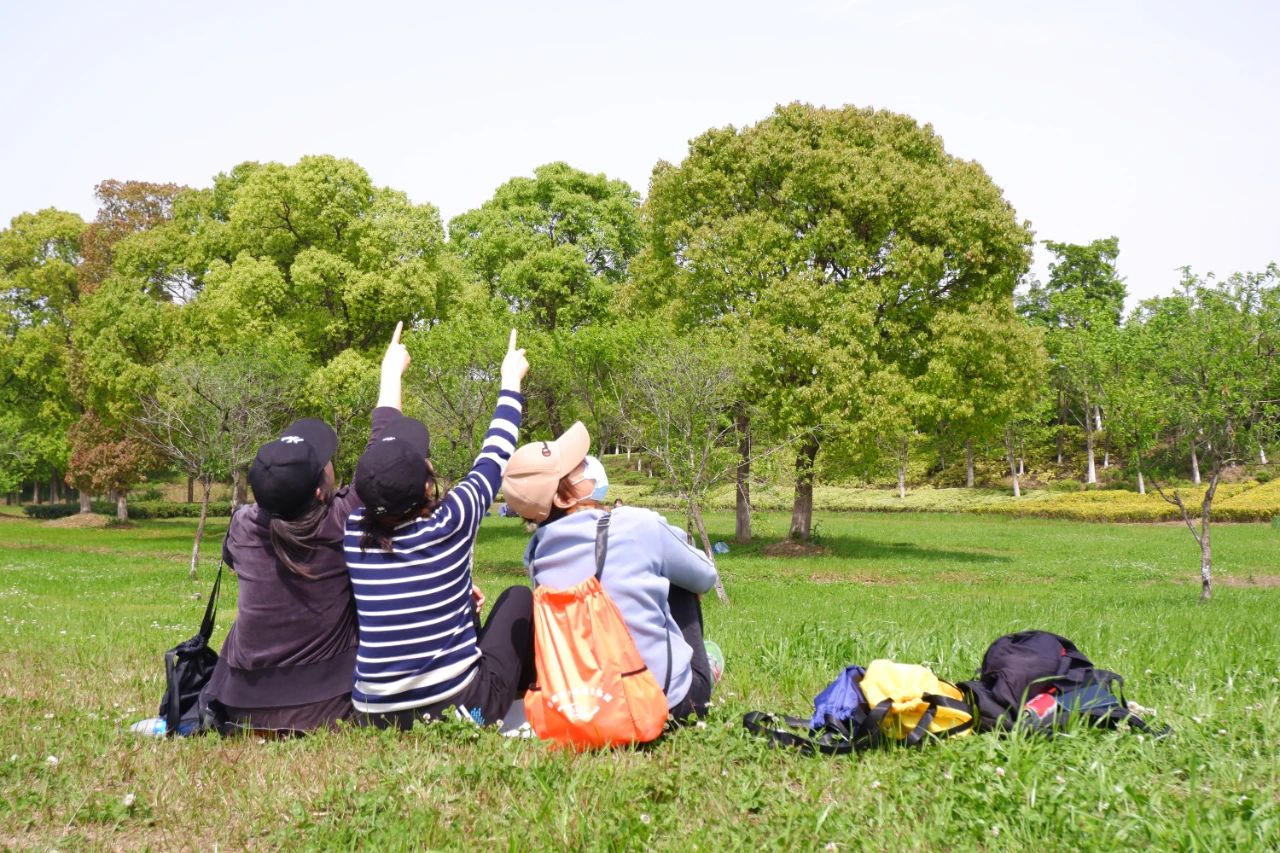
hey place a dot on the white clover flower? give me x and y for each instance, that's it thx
(1000, 772)
(128, 800)
(52, 761)
(644, 818)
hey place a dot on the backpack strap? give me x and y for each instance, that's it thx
(211, 609)
(936, 701)
(794, 733)
(602, 543)
(602, 551)
(869, 732)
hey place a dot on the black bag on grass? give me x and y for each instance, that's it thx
(188, 667)
(1036, 680)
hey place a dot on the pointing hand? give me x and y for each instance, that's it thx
(514, 365)
(396, 360)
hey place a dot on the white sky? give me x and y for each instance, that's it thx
(1154, 121)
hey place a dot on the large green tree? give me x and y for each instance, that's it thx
(987, 367)
(826, 239)
(308, 261)
(40, 256)
(1080, 306)
(554, 248)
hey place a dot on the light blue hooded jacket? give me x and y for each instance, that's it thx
(646, 556)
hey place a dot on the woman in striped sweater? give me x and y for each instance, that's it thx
(422, 649)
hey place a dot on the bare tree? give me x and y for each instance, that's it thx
(208, 414)
(678, 402)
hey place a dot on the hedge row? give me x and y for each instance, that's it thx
(137, 509)
(1233, 502)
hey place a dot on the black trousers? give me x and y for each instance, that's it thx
(505, 668)
(686, 609)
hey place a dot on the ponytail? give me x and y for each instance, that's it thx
(293, 540)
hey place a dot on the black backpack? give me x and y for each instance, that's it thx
(188, 667)
(1038, 681)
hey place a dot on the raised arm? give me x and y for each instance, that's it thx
(478, 488)
(394, 363)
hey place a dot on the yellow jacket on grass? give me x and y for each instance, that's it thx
(905, 694)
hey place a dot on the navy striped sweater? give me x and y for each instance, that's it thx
(413, 603)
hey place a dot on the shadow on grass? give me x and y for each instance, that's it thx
(861, 548)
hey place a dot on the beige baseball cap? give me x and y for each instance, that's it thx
(535, 470)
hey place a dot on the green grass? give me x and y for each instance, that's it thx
(85, 614)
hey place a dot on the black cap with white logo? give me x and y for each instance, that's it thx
(287, 471)
(391, 476)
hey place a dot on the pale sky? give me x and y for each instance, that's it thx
(1158, 122)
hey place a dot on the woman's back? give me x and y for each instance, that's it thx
(645, 557)
(285, 618)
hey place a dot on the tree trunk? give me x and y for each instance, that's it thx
(86, 501)
(696, 513)
(191, 489)
(1262, 454)
(206, 486)
(1195, 465)
(1091, 475)
(742, 504)
(122, 506)
(1062, 424)
(802, 508)
(968, 463)
(1206, 553)
(1142, 484)
(1009, 448)
(35, 491)
(56, 497)
(239, 489)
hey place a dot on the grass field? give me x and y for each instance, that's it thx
(85, 614)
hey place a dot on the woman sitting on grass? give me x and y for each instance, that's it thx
(651, 572)
(286, 664)
(422, 648)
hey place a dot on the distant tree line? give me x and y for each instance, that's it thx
(843, 292)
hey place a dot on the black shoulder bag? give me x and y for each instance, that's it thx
(188, 667)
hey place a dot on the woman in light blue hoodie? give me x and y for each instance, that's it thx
(651, 572)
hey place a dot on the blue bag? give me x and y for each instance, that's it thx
(842, 700)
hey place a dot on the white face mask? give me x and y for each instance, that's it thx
(595, 471)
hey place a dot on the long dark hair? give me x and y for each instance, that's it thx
(293, 540)
(376, 531)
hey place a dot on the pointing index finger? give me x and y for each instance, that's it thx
(511, 345)
(395, 336)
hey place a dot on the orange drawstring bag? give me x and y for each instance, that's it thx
(593, 688)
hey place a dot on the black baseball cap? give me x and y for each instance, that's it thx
(286, 471)
(391, 476)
